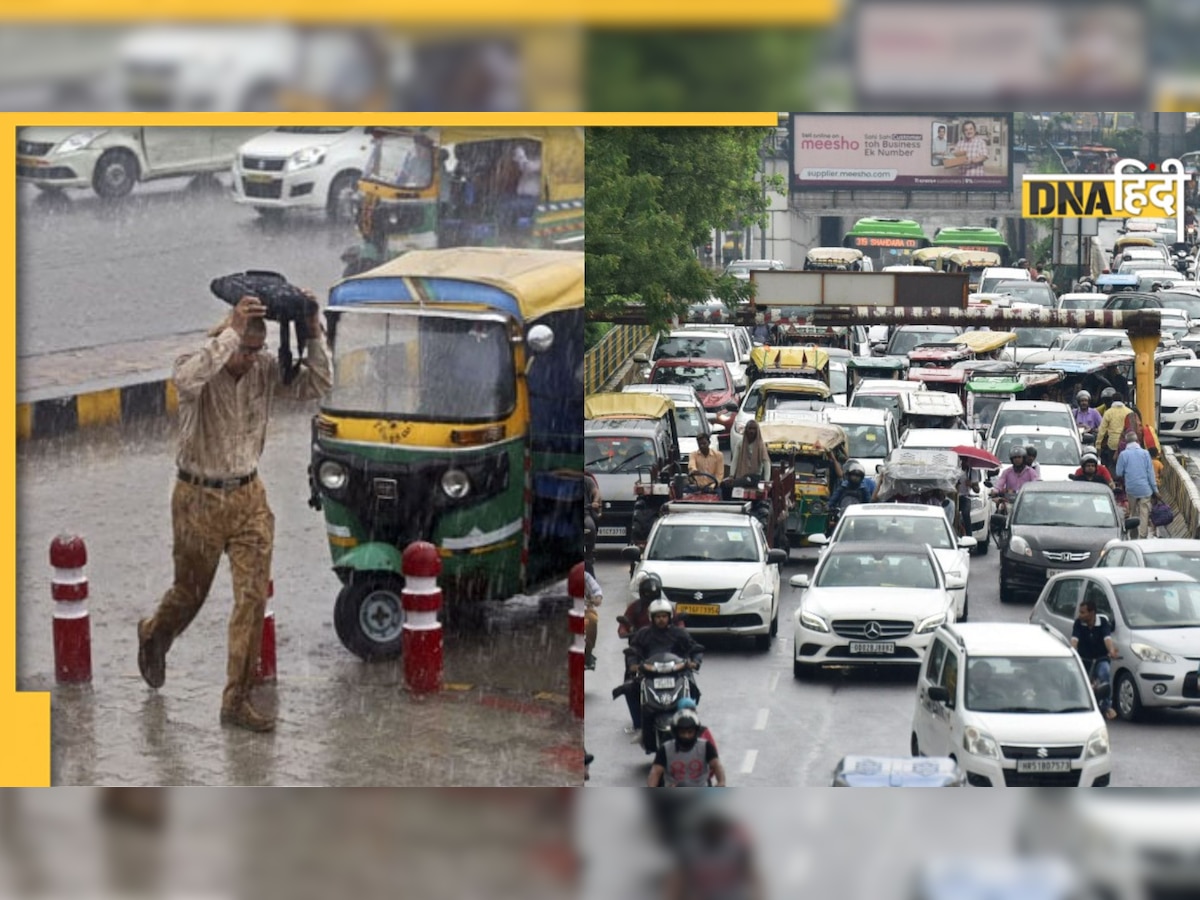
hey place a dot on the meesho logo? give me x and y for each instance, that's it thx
(1134, 189)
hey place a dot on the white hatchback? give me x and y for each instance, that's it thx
(1011, 703)
(1058, 449)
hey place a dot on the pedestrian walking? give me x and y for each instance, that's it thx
(1141, 487)
(219, 506)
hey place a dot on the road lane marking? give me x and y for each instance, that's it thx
(748, 762)
(760, 723)
(774, 682)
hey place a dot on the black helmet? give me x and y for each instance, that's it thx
(650, 588)
(685, 718)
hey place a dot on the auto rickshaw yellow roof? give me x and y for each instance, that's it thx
(931, 254)
(808, 387)
(985, 341)
(974, 259)
(819, 437)
(541, 281)
(789, 358)
(626, 406)
(1133, 240)
(834, 254)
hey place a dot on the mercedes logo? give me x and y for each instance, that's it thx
(1042, 752)
(699, 595)
(874, 630)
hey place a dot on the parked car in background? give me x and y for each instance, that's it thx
(1155, 617)
(302, 167)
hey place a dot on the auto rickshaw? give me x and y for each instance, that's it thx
(933, 257)
(984, 396)
(802, 456)
(971, 263)
(929, 409)
(1126, 241)
(950, 381)
(937, 354)
(986, 345)
(836, 259)
(919, 476)
(454, 418)
(886, 368)
(792, 362)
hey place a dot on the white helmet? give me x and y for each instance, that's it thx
(660, 606)
(1084, 395)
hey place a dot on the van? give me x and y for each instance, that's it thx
(993, 275)
(1011, 702)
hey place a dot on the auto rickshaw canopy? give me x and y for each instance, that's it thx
(619, 405)
(776, 359)
(985, 341)
(995, 385)
(974, 259)
(932, 257)
(803, 437)
(539, 281)
(832, 256)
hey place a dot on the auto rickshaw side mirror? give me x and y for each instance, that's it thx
(540, 338)
(633, 553)
(716, 428)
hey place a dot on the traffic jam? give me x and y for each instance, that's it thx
(957, 537)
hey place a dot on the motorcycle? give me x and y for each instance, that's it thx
(661, 681)
(1087, 437)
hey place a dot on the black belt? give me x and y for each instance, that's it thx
(221, 484)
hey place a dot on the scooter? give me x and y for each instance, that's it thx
(661, 681)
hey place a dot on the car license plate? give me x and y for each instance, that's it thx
(662, 684)
(258, 177)
(699, 609)
(1050, 573)
(1043, 765)
(610, 531)
(875, 649)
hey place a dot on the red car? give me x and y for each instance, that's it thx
(712, 379)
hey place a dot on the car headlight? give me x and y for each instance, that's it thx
(1021, 546)
(932, 623)
(456, 484)
(303, 159)
(753, 590)
(1150, 653)
(813, 622)
(1097, 744)
(77, 141)
(1191, 406)
(332, 475)
(980, 743)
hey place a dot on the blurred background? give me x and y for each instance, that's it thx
(877, 54)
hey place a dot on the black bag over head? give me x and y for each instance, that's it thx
(285, 303)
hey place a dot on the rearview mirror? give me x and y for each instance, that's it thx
(999, 522)
(798, 581)
(641, 358)
(632, 553)
(818, 539)
(938, 694)
(966, 543)
(776, 556)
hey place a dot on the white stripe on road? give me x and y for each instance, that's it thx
(774, 682)
(760, 723)
(748, 762)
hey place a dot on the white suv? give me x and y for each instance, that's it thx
(1011, 703)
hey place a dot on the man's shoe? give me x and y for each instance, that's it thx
(152, 656)
(589, 661)
(246, 716)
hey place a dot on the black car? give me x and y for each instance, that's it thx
(1051, 527)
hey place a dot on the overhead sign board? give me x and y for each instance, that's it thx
(918, 289)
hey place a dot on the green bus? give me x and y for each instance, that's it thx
(889, 242)
(974, 237)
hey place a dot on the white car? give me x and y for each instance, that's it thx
(870, 433)
(939, 438)
(993, 275)
(1082, 300)
(1098, 340)
(869, 604)
(1058, 449)
(912, 524)
(1179, 413)
(302, 167)
(754, 394)
(1029, 413)
(690, 418)
(715, 567)
(741, 268)
(1012, 704)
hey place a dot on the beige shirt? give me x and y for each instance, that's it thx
(713, 464)
(223, 420)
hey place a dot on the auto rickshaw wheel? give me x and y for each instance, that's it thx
(369, 617)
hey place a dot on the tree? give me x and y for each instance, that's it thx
(653, 196)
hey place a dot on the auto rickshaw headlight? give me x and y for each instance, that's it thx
(332, 475)
(456, 484)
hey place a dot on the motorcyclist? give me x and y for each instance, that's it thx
(1087, 419)
(687, 760)
(661, 636)
(636, 618)
(689, 703)
(1107, 396)
(1091, 470)
(854, 487)
(1015, 477)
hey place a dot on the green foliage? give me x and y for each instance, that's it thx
(1128, 142)
(653, 196)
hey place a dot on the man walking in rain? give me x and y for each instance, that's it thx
(219, 505)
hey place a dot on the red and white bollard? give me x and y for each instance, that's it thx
(421, 638)
(264, 669)
(72, 627)
(575, 660)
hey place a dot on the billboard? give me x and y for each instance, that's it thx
(903, 152)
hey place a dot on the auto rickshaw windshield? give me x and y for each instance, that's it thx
(435, 368)
(401, 161)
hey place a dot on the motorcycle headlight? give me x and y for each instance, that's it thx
(332, 475)
(1021, 546)
(1097, 744)
(1150, 653)
(77, 141)
(303, 159)
(932, 623)
(456, 484)
(813, 622)
(980, 743)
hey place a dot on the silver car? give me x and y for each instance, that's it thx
(1155, 616)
